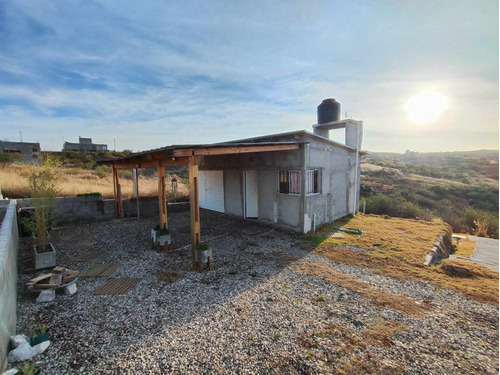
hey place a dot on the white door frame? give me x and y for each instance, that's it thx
(245, 193)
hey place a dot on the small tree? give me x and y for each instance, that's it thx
(42, 182)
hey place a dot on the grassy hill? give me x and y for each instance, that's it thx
(459, 187)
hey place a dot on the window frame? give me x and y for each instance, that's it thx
(289, 182)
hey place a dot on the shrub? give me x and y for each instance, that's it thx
(393, 205)
(126, 174)
(10, 158)
(103, 171)
(94, 194)
(480, 223)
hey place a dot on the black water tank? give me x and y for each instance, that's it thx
(328, 110)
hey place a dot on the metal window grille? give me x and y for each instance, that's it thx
(290, 182)
(312, 181)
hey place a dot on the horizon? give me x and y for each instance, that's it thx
(420, 76)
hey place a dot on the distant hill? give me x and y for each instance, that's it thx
(452, 185)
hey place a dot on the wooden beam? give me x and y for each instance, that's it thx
(118, 195)
(194, 203)
(232, 150)
(165, 162)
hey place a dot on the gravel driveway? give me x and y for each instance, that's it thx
(255, 313)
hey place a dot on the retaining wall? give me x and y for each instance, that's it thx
(9, 245)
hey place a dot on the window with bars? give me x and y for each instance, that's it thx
(312, 181)
(290, 182)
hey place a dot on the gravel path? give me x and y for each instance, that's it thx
(253, 314)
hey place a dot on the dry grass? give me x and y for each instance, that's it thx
(465, 247)
(378, 298)
(397, 248)
(14, 184)
(342, 346)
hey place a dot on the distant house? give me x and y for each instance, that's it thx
(30, 152)
(84, 144)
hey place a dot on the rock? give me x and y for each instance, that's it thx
(40, 348)
(12, 371)
(70, 289)
(22, 353)
(18, 340)
(46, 296)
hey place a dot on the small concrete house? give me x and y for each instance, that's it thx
(84, 144)
(30, 152)
(296, 189)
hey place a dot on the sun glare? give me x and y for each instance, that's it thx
(426, 107)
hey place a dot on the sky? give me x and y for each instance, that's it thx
(147, 74)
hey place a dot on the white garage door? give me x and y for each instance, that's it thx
(211, 187)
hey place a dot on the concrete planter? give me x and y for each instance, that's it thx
(202, 256)
(35, 238)
(163, 240)
(45, 259)
(153, 236)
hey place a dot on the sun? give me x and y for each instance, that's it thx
(426, 107)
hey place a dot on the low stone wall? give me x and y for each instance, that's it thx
(9, 245)
(442, 249)
(93, 208)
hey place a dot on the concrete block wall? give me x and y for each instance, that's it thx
(9, 245)
(69, 210)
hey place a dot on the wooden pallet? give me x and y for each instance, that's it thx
(117, 286)
(100, 270)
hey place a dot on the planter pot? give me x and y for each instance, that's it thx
(202, 256)
(163, 240)
(40, 338)
(45, 259)
(153, 236)
(38, 372)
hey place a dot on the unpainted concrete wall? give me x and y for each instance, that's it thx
(280, 209)
(9, 245)
(338, 184)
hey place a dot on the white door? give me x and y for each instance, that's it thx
(251, 194)
(211, 188)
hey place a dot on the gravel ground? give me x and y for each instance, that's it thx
(253, 314)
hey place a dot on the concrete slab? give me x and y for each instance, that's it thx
(486, 252)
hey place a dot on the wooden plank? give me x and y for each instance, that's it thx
(194, 204)
(46, 286)
(117, 286)
(39, 278)
(232, 150)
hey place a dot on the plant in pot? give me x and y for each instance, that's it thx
(154, 235)
(203, 252)
(29, 368)
(43, 182)
(163, 236)
(39, 333)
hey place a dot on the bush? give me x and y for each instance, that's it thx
(126, 174)
(393, 205)
(103, 171)
(94, 194)
(10, 158)
(480, 223)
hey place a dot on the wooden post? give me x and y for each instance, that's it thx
(194, 203)
(118, 194)
(162, 201)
